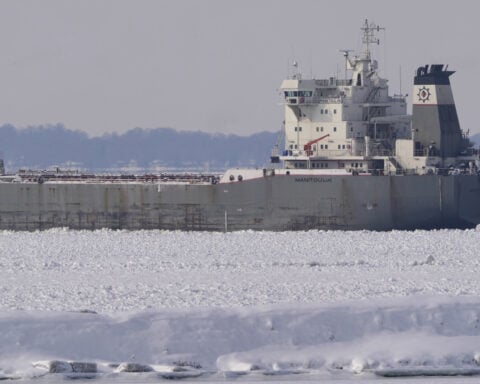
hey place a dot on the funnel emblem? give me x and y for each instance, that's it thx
(423, 94)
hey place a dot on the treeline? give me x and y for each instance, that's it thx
(48, 146)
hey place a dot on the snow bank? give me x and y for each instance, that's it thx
(382, 335)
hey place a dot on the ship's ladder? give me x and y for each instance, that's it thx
(396, 164)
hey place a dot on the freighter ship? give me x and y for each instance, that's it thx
(352, 159)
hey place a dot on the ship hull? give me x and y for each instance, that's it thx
(275, 203)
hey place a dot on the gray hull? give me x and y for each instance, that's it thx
(270, 203)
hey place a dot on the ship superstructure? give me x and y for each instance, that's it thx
(354, 124)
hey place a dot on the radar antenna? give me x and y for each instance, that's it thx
(345, 51)
(347, 59)
(369, 36)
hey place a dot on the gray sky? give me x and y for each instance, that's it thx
(212, 65)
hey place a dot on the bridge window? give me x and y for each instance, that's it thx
(334, 111)
(298, 93)
(334, 129)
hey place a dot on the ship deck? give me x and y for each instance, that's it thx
(46, 177)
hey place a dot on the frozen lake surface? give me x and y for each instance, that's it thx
(111, 271)
(243, 306)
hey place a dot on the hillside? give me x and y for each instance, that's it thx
(146, 149)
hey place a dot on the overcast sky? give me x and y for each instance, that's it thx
(212, 65)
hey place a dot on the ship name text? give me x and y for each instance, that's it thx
(313, 179)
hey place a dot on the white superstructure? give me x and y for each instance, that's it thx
(354, 124)
(348, 123)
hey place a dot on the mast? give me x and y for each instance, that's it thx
(369, 36)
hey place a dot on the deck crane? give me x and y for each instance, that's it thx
(308, 147)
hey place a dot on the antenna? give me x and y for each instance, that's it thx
(369, 36)
(400, 75)
(347, 61)
(311, 65)
(345, 52)
(297, 75)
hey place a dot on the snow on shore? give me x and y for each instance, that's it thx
(427, 333)
(246, 302)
